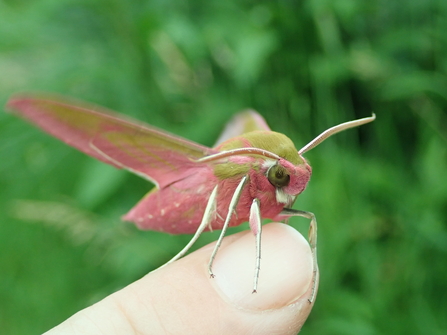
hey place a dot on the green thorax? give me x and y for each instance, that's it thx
(274, 142)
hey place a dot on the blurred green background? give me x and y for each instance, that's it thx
(379, 192)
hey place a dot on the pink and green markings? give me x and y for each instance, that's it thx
(251, 173)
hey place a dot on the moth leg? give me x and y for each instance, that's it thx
(256, 228)
(312, 242)
(231, 210)
(206, 220)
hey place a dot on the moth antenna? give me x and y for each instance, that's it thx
(336, 129)
(238, 152)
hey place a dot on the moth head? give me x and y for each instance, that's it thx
(288, 179)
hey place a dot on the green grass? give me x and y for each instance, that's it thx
(379, 192)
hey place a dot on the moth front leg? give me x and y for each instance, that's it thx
(231, 209)
(256, 228)
(312, 242)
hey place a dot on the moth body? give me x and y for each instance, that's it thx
(178, 207)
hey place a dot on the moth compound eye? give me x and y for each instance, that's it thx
(278, 176)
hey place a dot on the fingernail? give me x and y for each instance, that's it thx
(285, 274)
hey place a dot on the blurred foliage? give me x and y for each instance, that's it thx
(379, 192)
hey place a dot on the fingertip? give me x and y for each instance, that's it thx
(285, 274)
(181, 298)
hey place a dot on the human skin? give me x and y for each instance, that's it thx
(181, 298)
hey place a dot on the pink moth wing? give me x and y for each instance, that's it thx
(183, 184)
(122, 142)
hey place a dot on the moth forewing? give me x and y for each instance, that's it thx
(242, 123)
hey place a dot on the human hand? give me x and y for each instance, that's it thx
(181, 298)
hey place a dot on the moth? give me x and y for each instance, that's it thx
(250, 174)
